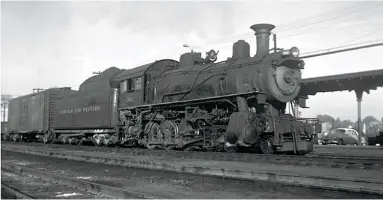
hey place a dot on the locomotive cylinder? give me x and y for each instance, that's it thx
(262, 32)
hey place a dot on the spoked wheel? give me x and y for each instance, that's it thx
(169, 130)
(153, 134)
(266, 144)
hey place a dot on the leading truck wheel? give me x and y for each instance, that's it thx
(266, 144)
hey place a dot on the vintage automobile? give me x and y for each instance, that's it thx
(341, 136)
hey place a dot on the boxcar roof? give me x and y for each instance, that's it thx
(43, 91)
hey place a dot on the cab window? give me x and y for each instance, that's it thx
(123, 86)
(137, 83)
(130, 85)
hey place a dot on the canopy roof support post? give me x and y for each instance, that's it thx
(359, 95)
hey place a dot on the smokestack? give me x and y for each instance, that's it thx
(262, 31)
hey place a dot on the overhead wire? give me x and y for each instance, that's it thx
(290, 24)
(326, 14)
(337, 16)
(366, 34)
(298, 24)
(305, 22)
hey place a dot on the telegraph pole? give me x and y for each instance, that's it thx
(3, 108)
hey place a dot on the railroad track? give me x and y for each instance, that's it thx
(222, 182)
(9, 192)
(318, 160)
(86, 186)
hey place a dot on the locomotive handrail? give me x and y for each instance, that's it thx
(192, 100)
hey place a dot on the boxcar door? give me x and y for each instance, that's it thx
(24, 115)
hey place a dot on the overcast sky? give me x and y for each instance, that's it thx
(47, 44)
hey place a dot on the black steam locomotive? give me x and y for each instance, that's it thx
(194, 104)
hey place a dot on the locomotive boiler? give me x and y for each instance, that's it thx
(198, 103)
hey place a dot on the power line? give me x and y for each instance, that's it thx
(323, 17)
(337, 16)
(369, 33)
(306, 22)
(319, 29)
(326, 14)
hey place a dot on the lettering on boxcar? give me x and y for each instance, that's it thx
(78, 110)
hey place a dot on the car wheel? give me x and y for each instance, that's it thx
(340, 142)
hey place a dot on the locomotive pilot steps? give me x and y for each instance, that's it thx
(194, 104)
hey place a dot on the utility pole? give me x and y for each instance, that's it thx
(37, 89)
(3, 108)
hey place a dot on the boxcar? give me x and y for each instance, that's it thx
(32, 114)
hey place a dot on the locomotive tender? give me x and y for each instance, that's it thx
(195, 103)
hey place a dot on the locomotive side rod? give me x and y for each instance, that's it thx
(342, 50)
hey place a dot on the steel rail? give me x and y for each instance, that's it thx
(86, 186)
(328, 182)
(13, 193)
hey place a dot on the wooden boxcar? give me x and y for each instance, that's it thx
(33, 114)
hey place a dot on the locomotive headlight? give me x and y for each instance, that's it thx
(294, 52)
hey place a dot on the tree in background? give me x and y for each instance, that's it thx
(345, 123)
(325, 118)
(367, 120)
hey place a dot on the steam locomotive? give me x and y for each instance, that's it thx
(194, 104)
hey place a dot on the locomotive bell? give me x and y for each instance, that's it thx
(262, 31)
